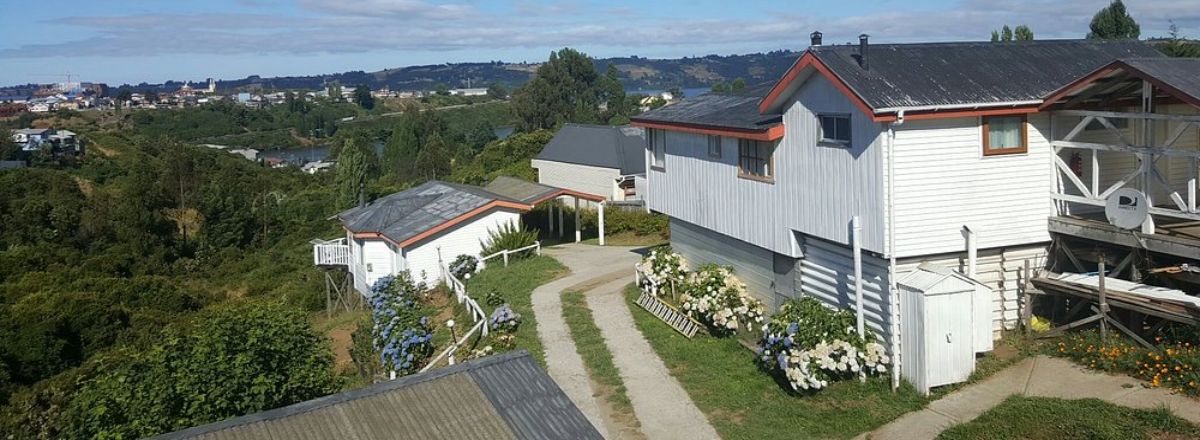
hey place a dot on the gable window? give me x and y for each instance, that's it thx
(714, 147)
(1005, 135)
(658, 148)
(756, 160)
(835, 129)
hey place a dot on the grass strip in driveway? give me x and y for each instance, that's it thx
(1046, 418)
(741, 401)
(515, 284)
(590, 345)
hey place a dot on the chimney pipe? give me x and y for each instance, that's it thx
(816, 38)
(862, 51)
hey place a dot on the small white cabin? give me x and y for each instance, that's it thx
(595, 159)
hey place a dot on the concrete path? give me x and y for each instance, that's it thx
(1041, 376)
(662, 406)
(562, 360)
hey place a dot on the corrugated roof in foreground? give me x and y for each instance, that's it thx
(926, 74)
(409, 213)
(506, 396)
(605, 146)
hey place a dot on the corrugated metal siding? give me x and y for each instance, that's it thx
(822, 187)
(751, 264)
(583, 178)
(827, 274)
(1000, 269)
(943, 182)
(550, 417)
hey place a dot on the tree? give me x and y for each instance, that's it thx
(352, 170)
(434, 160)
(335, 92)
(1114, 22)
(1023, 33)
(567, 88)
(441, 89)
(497, 91)
(1006, 33)
(738, 83)
(236, 359)
(720, 87)
(362, 97)
(1177, 45)
(9, 150)
(124, 95)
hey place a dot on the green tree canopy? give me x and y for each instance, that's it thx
(235, 359)
(362, 97)
(497, 91)
(568, 88)
(1020, 33)
(352, 173)
(1114, 22)
(434, 160)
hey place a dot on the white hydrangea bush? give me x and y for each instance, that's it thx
(812, 346)
(719, 300)
(660, 268)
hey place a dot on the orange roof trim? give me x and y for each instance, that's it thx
(807, 60)
(1104, 72)
(772, 133)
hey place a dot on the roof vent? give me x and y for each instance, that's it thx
(816, 38)
(862, 51)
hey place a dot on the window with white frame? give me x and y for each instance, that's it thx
(835, 128)
(658, 148)
(714, 146)
(756, 159)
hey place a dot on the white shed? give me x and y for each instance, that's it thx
(945, 319)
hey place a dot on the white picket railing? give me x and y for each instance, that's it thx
(536, 246)
(331, 252)
(477, 315)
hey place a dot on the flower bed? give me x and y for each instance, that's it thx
(809, 346)
(1170, 365)
(401, 331)
(660, 269)
(719, 300)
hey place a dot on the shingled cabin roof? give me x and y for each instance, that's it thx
(930, 74)
(730, 110)
(406, 215)
(605, 146)
(506, 396)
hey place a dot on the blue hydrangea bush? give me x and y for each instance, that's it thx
(504, 319)
(810, 346)
(402, 335)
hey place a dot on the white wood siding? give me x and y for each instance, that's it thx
(827, 274)
(379, 260)
(943, 182)
(751, 264)
(1000, 269)
(583, 178)
(465, 238)
(817, 188)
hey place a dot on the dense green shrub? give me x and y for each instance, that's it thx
(507, 237)
(808, 345)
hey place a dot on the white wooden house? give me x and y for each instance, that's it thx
(424, 228)
(936, 154)
(595, 159)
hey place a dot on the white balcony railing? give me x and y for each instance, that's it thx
(331, 252)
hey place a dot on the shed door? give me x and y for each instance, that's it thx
(949, 342)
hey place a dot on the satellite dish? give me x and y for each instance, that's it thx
(1127, 208)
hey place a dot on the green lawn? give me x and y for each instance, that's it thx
(744, 403)
(515, 283)
(596, 356)
(1043, 418)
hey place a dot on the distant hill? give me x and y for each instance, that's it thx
(636, 73)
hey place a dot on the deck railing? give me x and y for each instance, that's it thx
(331, 252)
(536, 247)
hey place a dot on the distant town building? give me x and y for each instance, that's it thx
(317, 167)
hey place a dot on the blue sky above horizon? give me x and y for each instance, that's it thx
(131, 41)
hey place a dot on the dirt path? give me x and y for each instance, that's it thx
(661, 404)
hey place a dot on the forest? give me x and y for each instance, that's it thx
(124, 272)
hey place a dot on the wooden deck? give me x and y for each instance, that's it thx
(1179, 238)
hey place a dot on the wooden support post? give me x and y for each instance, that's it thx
(562, 227)
(578, 234)
(601, 213)
(550, 219)
(1103, 303)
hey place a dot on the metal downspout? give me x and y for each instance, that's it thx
(891, 236)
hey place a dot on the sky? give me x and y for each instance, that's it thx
(134, 41)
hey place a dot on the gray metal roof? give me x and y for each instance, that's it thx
(605, 146)
(1182, 74)
(736, 110)
(506, 396)
(409, 213)
(915, 75)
